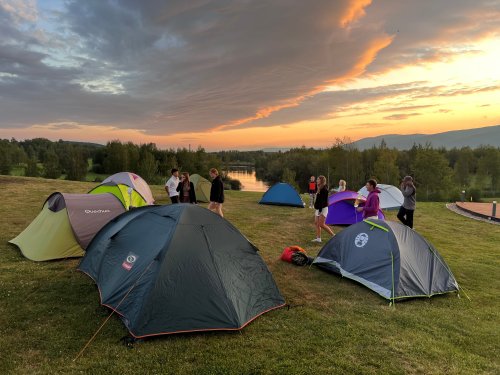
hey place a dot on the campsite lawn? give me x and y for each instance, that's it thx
(48, 310)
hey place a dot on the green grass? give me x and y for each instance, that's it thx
(48, 310)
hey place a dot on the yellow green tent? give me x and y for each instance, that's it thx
(127, 195)
(128, 187)
(201, 187)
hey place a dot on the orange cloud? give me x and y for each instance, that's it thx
(359, 68)
(366, 59)
(401, 116)
(354, 11)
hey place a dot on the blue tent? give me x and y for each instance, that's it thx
(282, 194)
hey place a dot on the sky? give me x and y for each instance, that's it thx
(246, 74)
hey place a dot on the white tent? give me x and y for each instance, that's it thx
(390, 197)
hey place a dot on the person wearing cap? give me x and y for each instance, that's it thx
(405, 214)
(171, 186)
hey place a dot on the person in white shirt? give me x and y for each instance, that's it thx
(171, 186)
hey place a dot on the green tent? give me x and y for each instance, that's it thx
(127, 195)
(201, 187)
(66, 224)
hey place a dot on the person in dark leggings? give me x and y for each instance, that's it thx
(405, 214)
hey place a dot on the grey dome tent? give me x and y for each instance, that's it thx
(389, 258)
(179, 268)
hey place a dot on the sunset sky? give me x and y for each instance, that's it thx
(246, 74)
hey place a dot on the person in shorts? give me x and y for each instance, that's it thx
(321, 206)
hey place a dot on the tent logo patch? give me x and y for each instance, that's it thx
(129, 261)
(361, 240)
(97, 211)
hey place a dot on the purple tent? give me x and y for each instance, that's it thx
(341, 210)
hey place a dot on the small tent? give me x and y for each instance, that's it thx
(66, 224)
(388, 258)
(179, 268)
(201, 187)
(128, 187)
(390, 196)
(282, 194)
(341, 210)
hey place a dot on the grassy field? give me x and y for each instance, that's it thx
(48, 310)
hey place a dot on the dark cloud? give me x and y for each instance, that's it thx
(180, 66)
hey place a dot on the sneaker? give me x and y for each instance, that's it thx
(316, 240)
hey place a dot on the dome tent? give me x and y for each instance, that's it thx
(128, 187)
(179, 268)
(66, 224)
(389, 258)
(201, 187)
(341, 210)
(282, 194)
(391, 198)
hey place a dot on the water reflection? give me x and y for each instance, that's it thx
(248, 179)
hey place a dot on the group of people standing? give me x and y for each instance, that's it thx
(318, 194)
(182, 190)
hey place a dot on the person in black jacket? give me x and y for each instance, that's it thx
(321, 206)
(216, 193)
(186, 189)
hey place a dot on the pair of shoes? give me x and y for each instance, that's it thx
(316, 240)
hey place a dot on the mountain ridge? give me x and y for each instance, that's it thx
(485, 136)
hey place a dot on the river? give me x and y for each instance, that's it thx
(248, 179)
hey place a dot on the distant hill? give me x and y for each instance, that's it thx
(84, 144)
(458, 138)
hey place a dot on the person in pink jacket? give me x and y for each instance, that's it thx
(372, 204)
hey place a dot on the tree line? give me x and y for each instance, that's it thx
(41, 157)
(440, 174)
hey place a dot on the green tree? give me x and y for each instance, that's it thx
(148, 167)
(133, 157)
(5, 156)
(51, 166)
(488, 167)
(32, 168)
(116, 157)
(432, 174)
(385, 168)
(289, 177)
(463, 166)
(77, 164)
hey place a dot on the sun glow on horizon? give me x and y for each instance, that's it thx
(460, 89)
